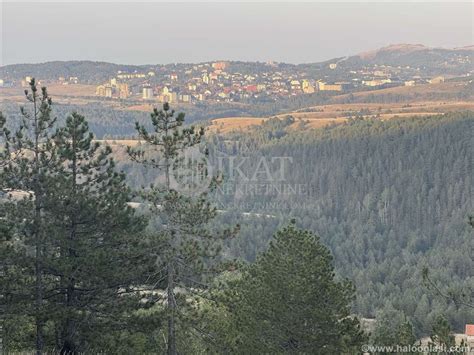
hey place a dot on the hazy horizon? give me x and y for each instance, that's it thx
(164, 33)
(216, 59)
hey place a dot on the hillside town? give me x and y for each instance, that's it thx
(218, 82)
(224, 81)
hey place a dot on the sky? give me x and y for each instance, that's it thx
(160, 32)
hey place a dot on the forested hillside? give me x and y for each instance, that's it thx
(300, 215)
(92, 263)
(114, 121)
(388, 198)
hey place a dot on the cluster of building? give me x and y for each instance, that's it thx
(25, 82)
(114, 89)
(211, 81)
(236, 81)
(218, 81)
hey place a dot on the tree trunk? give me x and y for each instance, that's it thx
(171, 312)
(37, 238)
(39, 299)
(69, 345)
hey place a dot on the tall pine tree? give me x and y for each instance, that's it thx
(183, 242)
(28, 157)
(70, 240)
(97, 239)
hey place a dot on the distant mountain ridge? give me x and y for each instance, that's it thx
(454, 60)
(465, 48)
(436, 60)
(401, 48)
(96, 71)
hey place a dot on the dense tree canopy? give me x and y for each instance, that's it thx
(289, 300)
(390, 200)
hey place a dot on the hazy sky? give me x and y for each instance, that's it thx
(139, 33)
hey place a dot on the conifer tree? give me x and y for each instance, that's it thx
(185, 246)
(69, 238)
(28, 157)
(96, 233)
(441, 334)
(461, 298)
(392, 330)
(289, 300)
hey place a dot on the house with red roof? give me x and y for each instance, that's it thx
(251, 88)
(469, 337)
(469, 330)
